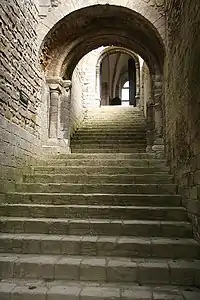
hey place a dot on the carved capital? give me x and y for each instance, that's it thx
(54, 83)
(67, 84)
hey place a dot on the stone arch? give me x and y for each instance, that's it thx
(113, 50)
(88, 28)
(151, 10)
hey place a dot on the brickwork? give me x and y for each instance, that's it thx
(182, 100)
(20, 77)
(19, 86)
(18, 148)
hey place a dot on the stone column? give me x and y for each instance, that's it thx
(65, 110)
(150, 126)
(57, 142)
(55, 91)
(158, 115)
(98, 87)
(137, 97)
(132, 82)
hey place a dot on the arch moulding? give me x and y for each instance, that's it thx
(116, 50)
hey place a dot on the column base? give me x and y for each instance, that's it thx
(56, 146)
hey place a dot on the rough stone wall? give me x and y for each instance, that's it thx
(182, 103)
(19, 85)
(83, 91)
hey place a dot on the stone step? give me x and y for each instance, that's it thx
(111, 131)
(94, 211)
(101, 178)
(113, 124)
(112, 127)
(103, 227)
(108, 150)
(106, 137)
(108, 142)
(116, 119)
(101, 269)
(104, 162)
(27, 289)
(152, 155)
(116, 147)
(93, 199)
(97, 188)
(111, 135)
(132, 247)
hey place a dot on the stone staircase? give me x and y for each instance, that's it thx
(104, 222)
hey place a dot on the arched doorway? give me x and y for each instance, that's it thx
(113, 66)
(99, 25)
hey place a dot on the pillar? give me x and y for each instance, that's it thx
(137, 96)
(65, 111)
(55, 91)
(150, 125)
(132, 81)
(158, 115)
(59, 104)
(98, 85)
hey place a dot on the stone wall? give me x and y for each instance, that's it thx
(77, 108)
(182, 103)
(83, 91)
(19, 85)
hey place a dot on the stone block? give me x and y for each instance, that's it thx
(153, 272)
(93, 269)
(71, 245)
(63, 293)
(99, 293)
(122, 271)
(24, 292)
(51, 245)
(68, 268)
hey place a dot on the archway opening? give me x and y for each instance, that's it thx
(78, 34)
(118, 66)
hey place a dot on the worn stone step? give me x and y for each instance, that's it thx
(124, 118)
(112, 127)
(101, 178)
(152, 155)
(108, 142)
(111, 150)
(100, 269)
(105, 227)
(27, 289)
(118, 120)
(94, 211)
(93, 199)
(111, 135)
(96, 188)
(143, 247)
(92, 170)
(118, 146)
(78, 138)
(110, 131)
(104, 162)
